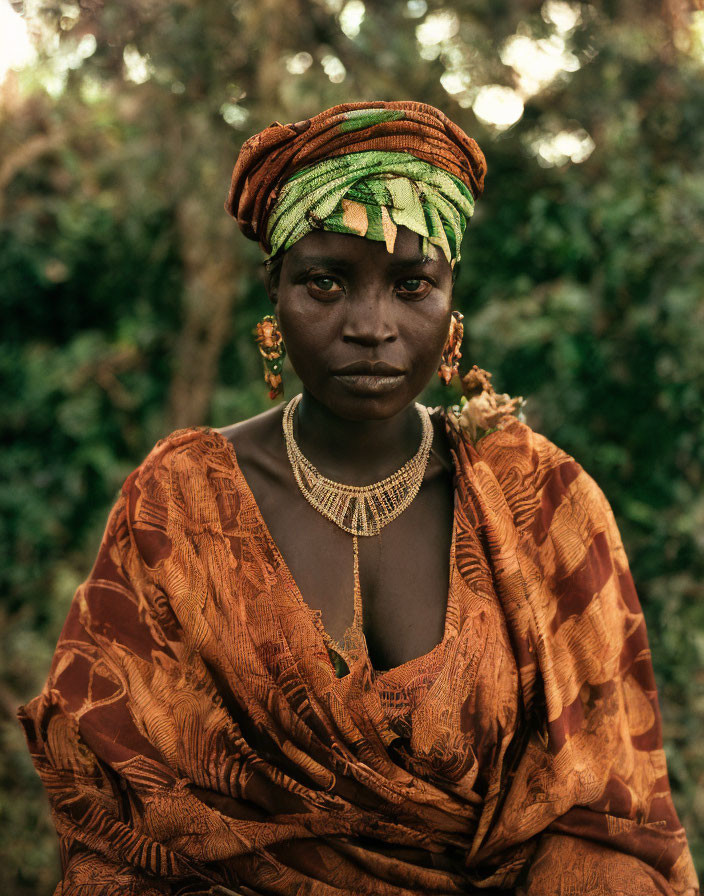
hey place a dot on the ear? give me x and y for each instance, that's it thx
(271, 284)
(272, 273)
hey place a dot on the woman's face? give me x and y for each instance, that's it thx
(364, 328)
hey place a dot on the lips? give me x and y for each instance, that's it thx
(369, 368)
(370, 378)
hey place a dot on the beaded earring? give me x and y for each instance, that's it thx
(451, 354)
(273, 351)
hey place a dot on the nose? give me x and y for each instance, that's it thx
(369, 320)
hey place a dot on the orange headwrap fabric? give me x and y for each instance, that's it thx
(268, 159)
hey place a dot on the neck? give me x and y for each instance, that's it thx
(357, 452)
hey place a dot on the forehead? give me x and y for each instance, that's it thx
(326, 247)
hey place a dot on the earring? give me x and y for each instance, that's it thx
(273, 351)
(451, 354)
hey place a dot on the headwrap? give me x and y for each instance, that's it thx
(359, 168)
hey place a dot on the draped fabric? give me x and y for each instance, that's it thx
(193, 735)
(269, 159)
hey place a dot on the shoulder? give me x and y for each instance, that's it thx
(518, 452)
(257, 440)
(536, 477)
(510, 450)
(179, 479)
(197, 446)
(254, 428)
(188, 472)
(183, 448)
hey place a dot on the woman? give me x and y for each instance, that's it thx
(350, 646)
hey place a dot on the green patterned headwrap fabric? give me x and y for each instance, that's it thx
(371, 194)
(359, 168)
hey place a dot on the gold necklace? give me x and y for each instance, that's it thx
(358, 509)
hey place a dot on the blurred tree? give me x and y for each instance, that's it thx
(128, 297)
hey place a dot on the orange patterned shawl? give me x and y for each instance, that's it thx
(193, 736)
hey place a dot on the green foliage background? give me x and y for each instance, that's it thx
(128, 297)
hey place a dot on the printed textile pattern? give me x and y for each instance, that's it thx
(193, 735)
(371, 194)
(269, 159)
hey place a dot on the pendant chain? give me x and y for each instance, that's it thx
(358, 509)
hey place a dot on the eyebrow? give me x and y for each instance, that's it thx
(334, 261)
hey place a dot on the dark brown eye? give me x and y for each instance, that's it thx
(414, 287)
(324, 285)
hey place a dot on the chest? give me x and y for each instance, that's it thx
(403, 572)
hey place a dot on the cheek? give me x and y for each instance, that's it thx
(308, 332)
(425, 336)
